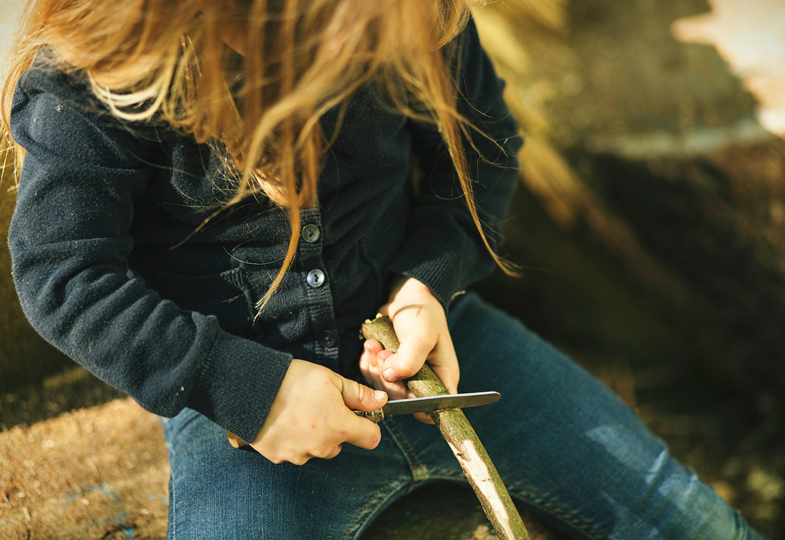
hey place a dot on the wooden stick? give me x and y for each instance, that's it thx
(463, 441)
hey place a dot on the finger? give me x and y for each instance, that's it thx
(445, 365)
(375, 372)
(412, 355)
(372, 346)
(359, 431)
(372, 369)
(382, 356)
(369, 365)
(298, 459)
(425, 418)
(359, 396)
(409, 359)
(364, 433)
(370, 373)
(394, 390)
(450, 377)
(418, 331)
(335, 452)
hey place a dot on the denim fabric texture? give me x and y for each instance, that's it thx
(564, 445)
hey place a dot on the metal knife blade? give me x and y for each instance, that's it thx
(431, 404)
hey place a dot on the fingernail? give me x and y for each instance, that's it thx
(379, 395)
(389, 374)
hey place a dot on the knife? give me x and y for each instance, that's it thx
(430, 404)
(407, 406)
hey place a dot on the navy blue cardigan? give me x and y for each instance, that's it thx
(104, 205)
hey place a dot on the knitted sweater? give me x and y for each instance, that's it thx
(109, 270)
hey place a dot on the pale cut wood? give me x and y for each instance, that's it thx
(463, 441)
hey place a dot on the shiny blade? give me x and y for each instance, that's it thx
(435, 403)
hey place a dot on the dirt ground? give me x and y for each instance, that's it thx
(92, 473)
(100, 472)
(78, 461)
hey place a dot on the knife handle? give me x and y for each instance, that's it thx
(374, 416)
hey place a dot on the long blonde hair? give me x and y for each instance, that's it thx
(174, 59)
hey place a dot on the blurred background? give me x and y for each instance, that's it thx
(648, 223)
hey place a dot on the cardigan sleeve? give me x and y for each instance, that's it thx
(69, 241)
(443, 248)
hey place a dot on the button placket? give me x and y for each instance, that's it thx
(320, 309)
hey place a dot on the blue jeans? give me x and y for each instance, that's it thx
(564, 444)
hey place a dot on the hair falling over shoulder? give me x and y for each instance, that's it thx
(255, 76)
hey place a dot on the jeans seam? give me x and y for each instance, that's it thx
(405, 446)
(459, 474)
(414, 463)
(566, 516)
(172, 505)
(370, 503)
(553, 508)
(569, 517)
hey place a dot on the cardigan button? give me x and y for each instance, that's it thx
(311, 233)
(315, 278)
(328, 339)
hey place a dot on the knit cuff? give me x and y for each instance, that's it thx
(238, 384)
(445, 265)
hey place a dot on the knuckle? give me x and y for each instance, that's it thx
(384, 355)
(299, 458)
(280, 457)
(352, 388)
(276, 459)
(328, 452)
(343, 433)
(406, 371)
(361, 390)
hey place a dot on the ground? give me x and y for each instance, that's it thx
(78, 460)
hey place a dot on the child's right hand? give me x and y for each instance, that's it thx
(312, 416)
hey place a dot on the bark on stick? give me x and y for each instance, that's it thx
(463, 441)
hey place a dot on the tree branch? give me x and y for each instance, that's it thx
(463, 441)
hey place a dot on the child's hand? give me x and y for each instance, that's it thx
(312, 416)
(421, 325)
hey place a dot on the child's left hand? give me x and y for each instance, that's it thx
(421, 325)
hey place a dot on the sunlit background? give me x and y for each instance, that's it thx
(9, 12)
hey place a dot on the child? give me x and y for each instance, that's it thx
(214, 196)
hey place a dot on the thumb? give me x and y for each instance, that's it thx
(359, 396)
(408, 360)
